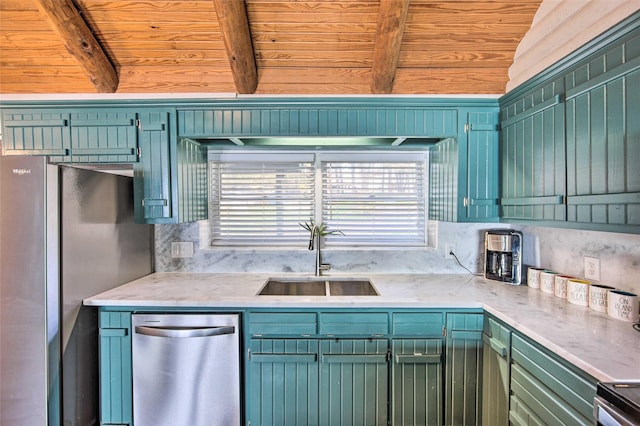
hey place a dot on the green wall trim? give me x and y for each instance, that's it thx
(531, 111)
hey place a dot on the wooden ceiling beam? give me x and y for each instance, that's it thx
(234, 25)
(392, 16)
(79, 41)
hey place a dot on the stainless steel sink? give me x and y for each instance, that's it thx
(318, 286)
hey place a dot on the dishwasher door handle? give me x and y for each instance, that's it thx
(184, 332)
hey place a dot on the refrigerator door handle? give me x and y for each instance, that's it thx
(184, 332)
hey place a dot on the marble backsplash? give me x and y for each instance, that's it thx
(562, 250)
(468, 240)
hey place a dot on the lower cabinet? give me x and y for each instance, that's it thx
(545, 389)
(496, 357)
(463, 380)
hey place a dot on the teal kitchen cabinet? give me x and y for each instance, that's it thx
(546, 389)
(496, 360)
(533, 156)
(603, 138)
(464, 171)
(103, 136)
(170, 180)
(89, 135)
(417, 368)
(354, 380)
(36, 132)
(116, 398)
(463, 368)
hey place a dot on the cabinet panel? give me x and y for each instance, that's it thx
(116, 399)
(35, 132)
(549, 386)
(283, 385)
(416, 380)
(427, 324)
(104, 136)
(463, 369)
(296, 324)
(353, 382)
(345, 324)
(495, 373)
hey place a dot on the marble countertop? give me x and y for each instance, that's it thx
(606, 348)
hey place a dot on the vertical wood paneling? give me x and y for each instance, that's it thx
(116, 399)
(40, 132)
(354, 388)
(103, 136)
(416, 398)
(191, 174)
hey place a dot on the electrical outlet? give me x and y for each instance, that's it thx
(181, 250)
(592, 268)
(448, 248)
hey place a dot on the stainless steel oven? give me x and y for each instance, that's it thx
(617, 404)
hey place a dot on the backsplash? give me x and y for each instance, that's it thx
(559, 249)
(468, 239)
(564, 250)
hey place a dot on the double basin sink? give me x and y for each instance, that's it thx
(318, 286)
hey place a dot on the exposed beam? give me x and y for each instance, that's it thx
(392, 15)
(65, 20)
(234, 24)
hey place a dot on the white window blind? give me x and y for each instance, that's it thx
(375, 199)
(379, 203)
(260, 200)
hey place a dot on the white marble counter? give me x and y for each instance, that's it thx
(607, 349)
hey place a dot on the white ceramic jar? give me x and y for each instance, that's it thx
(578, 292)
(623, 305)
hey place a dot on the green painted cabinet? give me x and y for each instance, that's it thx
(36, 132)
(116, 385)
(170, 180)
(496, 359)
(88, 135)
(545, 389)
(570, 139)
(464, 169)
(463, 369)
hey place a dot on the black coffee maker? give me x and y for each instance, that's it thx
(503, 256)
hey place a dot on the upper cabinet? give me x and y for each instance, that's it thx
(570, 139)
(88, 135)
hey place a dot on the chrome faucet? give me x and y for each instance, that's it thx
(316, 236)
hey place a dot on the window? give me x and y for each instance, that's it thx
(377, 199)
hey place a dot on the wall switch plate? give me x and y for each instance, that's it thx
(592, 268)
(181, 250)
(448, 248)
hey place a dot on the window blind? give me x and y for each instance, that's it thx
(260, 201)
(378, 203)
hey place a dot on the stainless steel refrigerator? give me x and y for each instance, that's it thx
(65, 234)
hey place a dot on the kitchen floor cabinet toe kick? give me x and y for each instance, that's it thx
(374, 367)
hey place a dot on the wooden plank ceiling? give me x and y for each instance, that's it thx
(296, 46)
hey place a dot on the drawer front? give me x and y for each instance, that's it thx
(573, 392)
(365, 324)
(417, 324)
(282, 324)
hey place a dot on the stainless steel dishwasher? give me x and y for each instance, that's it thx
(186, 370)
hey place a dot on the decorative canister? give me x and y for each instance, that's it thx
(533, 277)
(623, 305)
(560, 285)
(547, 281)
(578, 292)
(598, 296)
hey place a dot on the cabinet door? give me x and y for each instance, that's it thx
(104, 136)
(481, 200)
(603, 149)
(116, 399)
(283, 382)
(532, 155)
(353, 382)
(416, 382)
(463, 369)
(152, 175)
(35, 132)
(495, 373)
